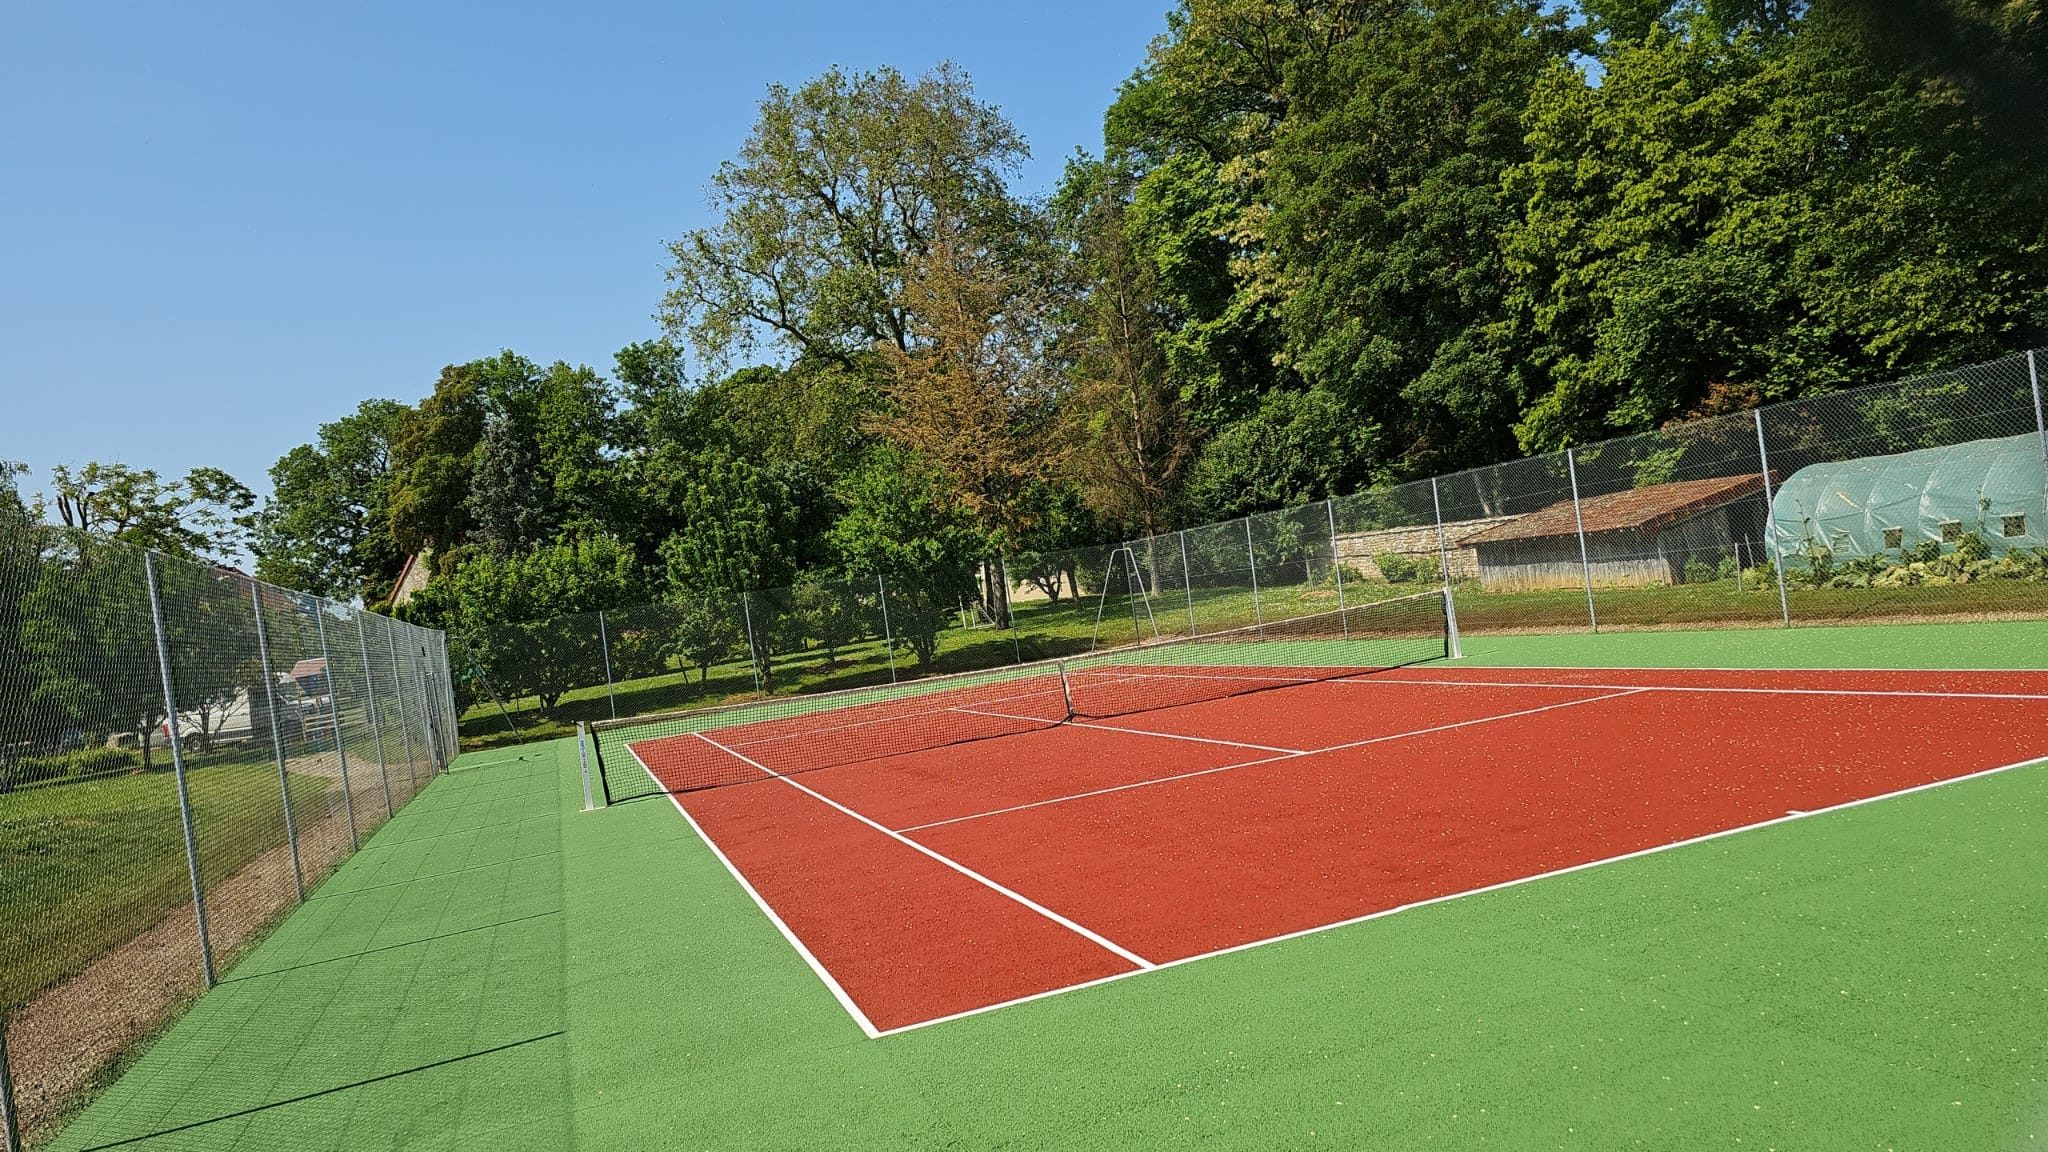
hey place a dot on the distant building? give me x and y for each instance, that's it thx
(419, 567)
(1638, 537)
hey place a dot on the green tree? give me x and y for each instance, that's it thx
(1768, 210)
(326, 525)
(529, 618)
(91, 638)
(1294, 450)
(742, 528)
(839, 182)
(827, 612)
(1386, 222)
(903, 524)
(707, 631)
(206, 515)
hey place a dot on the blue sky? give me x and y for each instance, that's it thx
(222, 225)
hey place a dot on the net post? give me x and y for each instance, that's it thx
(10, 1122)
(1571, 464)
(1187, 580)
(583, 760)
(1763, 456)
(163, 663)
(1443, 561)
(1251, 554)
(1066, 689)
(404, 724)
(888, 636)
(604, 641)
(753, 650)
(376, 723)
(604, 780)
(1337, 565)
(284, 783)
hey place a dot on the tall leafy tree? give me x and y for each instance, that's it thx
(903, 523)
(1768, 210)
(1387, 215)
(839, 183)
(326, 525)
(206, 515)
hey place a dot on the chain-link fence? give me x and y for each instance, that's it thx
(1918, 500)
(184, 754)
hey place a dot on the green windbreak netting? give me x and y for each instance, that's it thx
(1884, 505)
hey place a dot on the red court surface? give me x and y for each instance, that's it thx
(923, 885)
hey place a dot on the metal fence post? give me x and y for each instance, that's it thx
(1337, 565)
(1763, 457)
(1187, 580)
(753, 652)
(1251, 554)
(163, 661)
(419, 675)
(1571, 464)
(604, 640)
(888, 637)
(376, 724)
(1009, 609)
(10, 1122)
(348, 794)
(404, 725)
(1443, 560)
(284, 783)
(2040, 420)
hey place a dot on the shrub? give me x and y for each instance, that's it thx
(1924, 552)
(73, 765)
(1397, 567)
(1699, 572)
(1727, 568)
(1970, 547)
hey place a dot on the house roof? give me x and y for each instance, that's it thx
(1640, 509)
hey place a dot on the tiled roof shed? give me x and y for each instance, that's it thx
(1663, 534)
(1640, 509)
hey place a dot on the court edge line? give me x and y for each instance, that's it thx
(1514, 883)
(1132, 731)
(1078, 929)
(1267, 759)
(824, 974)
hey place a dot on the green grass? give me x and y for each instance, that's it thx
(93, 863)
(499, 969)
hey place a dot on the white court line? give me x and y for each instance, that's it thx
(1147, 783)
(1132, 731)
(1505, 884)
(1707, 688)
(823, 973)
(1371, 678)
(1078, 929)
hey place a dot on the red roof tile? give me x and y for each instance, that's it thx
(1642, 509)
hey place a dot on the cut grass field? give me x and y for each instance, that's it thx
(94, 863)
(498, 968)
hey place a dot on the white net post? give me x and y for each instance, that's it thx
(1763, 457)
(171, 726)
(1443, 560)
(1579, 518)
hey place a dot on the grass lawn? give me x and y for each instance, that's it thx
(92, 863)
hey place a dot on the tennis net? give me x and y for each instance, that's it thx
(761, 739)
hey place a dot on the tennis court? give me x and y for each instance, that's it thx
(972, 843)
